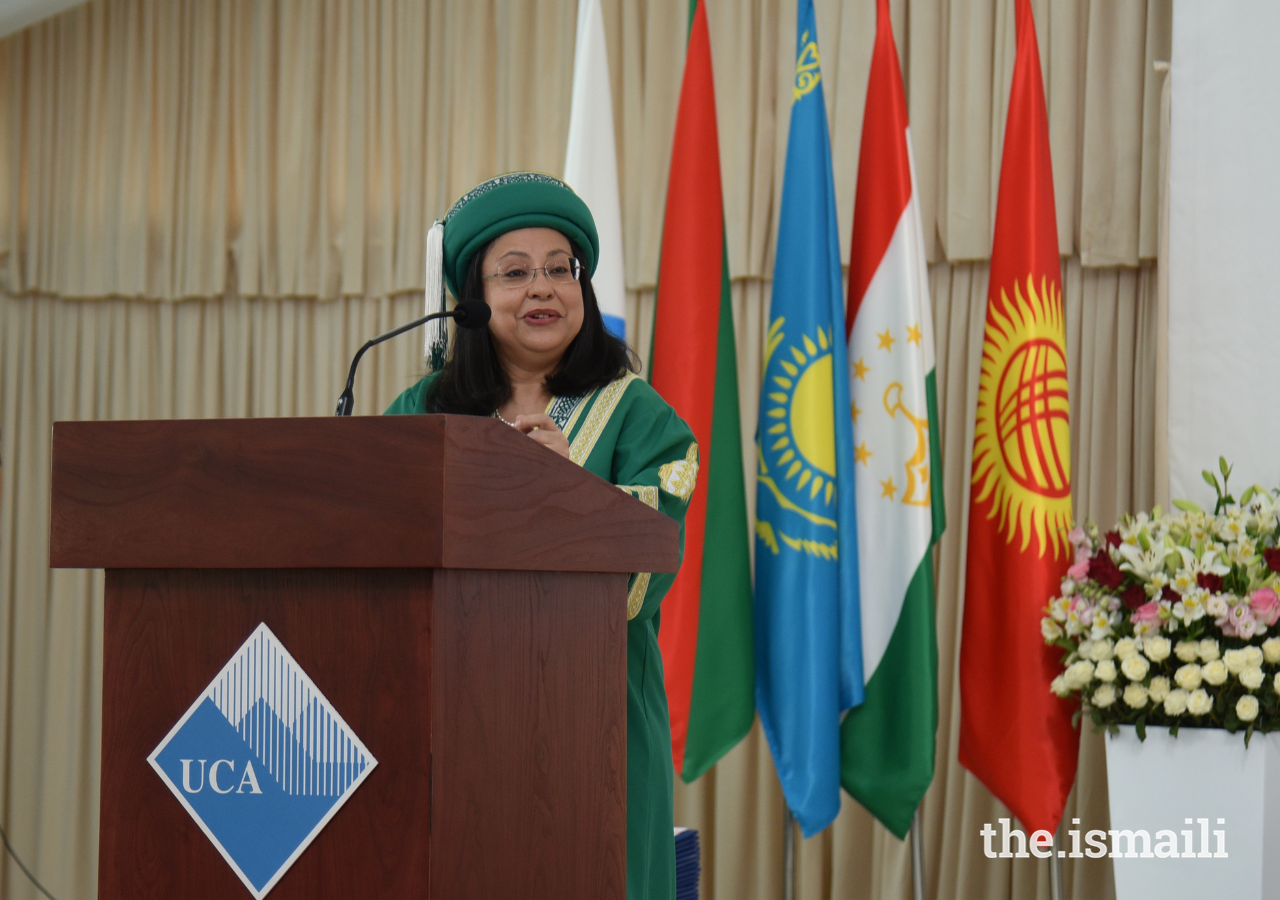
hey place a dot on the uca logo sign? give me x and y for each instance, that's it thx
(262, 761)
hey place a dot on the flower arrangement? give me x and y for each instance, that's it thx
(1165, 620)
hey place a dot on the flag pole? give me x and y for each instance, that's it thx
(917, 856)
(788, 856)
(1055, 865)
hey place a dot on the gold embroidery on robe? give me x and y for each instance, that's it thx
(678, 478)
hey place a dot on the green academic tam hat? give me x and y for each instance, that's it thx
(511, 201)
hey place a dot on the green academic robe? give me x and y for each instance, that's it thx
(628, 435)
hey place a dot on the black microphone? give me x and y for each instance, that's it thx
(468, 314)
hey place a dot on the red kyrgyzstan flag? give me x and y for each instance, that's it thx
(1015, 736)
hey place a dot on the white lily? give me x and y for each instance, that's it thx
(1101, 628)
(1231, 527)
(1207, 564)
(1193, 524)
(1192, 606)
(1184, 581)
(1263, 510)
(1130, 529)
(1143, 564)
(1242, 551)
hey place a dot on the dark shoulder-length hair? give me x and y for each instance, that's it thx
(473, 381)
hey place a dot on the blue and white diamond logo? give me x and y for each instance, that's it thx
(262, 761)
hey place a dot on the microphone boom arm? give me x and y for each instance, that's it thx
(468, 314)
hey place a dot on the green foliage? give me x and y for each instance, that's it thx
(1224, 497)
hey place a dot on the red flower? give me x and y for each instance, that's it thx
(1210, 582)
(1272, 556)
(1104, 571)
(1113, 538)
(1134, 596)
(1171, 595)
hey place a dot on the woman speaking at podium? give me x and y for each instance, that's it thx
(526, 244)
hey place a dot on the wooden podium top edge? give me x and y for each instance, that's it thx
(335, 492)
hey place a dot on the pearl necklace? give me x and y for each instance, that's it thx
(502, 420)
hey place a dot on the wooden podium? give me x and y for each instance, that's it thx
(455, 590)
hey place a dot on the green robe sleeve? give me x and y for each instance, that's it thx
(656, 460)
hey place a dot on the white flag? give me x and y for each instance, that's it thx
(591, 161)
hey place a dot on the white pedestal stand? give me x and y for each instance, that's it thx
(1207, 776)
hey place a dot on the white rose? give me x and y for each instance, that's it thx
(1059, 687)
(1104, 696)
(1276, 683)
(1187, 651)
(1214, 672)
(1050, 629)
(1085, 649)
(1100, 650)
(1079, 674)
(1252, 678)
(1105, 670)
(1188, 676)
(1135, 667)
(1247, 707)
(1135, 695)
(1125, 648)
(1157, 648)
(1235, 660)
(1253, 656)
(1159, 689)
(1271, 650)
(1199, 703)
(1208, 650)
(1176, 703)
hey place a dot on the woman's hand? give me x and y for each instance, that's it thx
(543, 429)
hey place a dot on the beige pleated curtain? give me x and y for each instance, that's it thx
(206, 206)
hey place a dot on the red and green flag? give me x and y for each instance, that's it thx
(706, 633)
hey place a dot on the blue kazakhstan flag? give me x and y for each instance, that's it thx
(808, 626)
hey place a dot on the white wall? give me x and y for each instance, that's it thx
(1224, 241)
(16, 15)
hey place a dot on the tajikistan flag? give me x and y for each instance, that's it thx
(887, 743)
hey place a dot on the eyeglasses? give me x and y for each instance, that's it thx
(561, 271)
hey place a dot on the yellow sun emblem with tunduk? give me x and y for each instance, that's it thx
(1022, 441)
(799, 438)
(796, 446)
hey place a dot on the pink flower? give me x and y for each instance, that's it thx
(1079, 571)
(1076, 536)
(1146, 614)
(1265, 605)
(1239, 622)
(1217, 606)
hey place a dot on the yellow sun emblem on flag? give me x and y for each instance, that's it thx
(799, 438)
(1022, 442)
